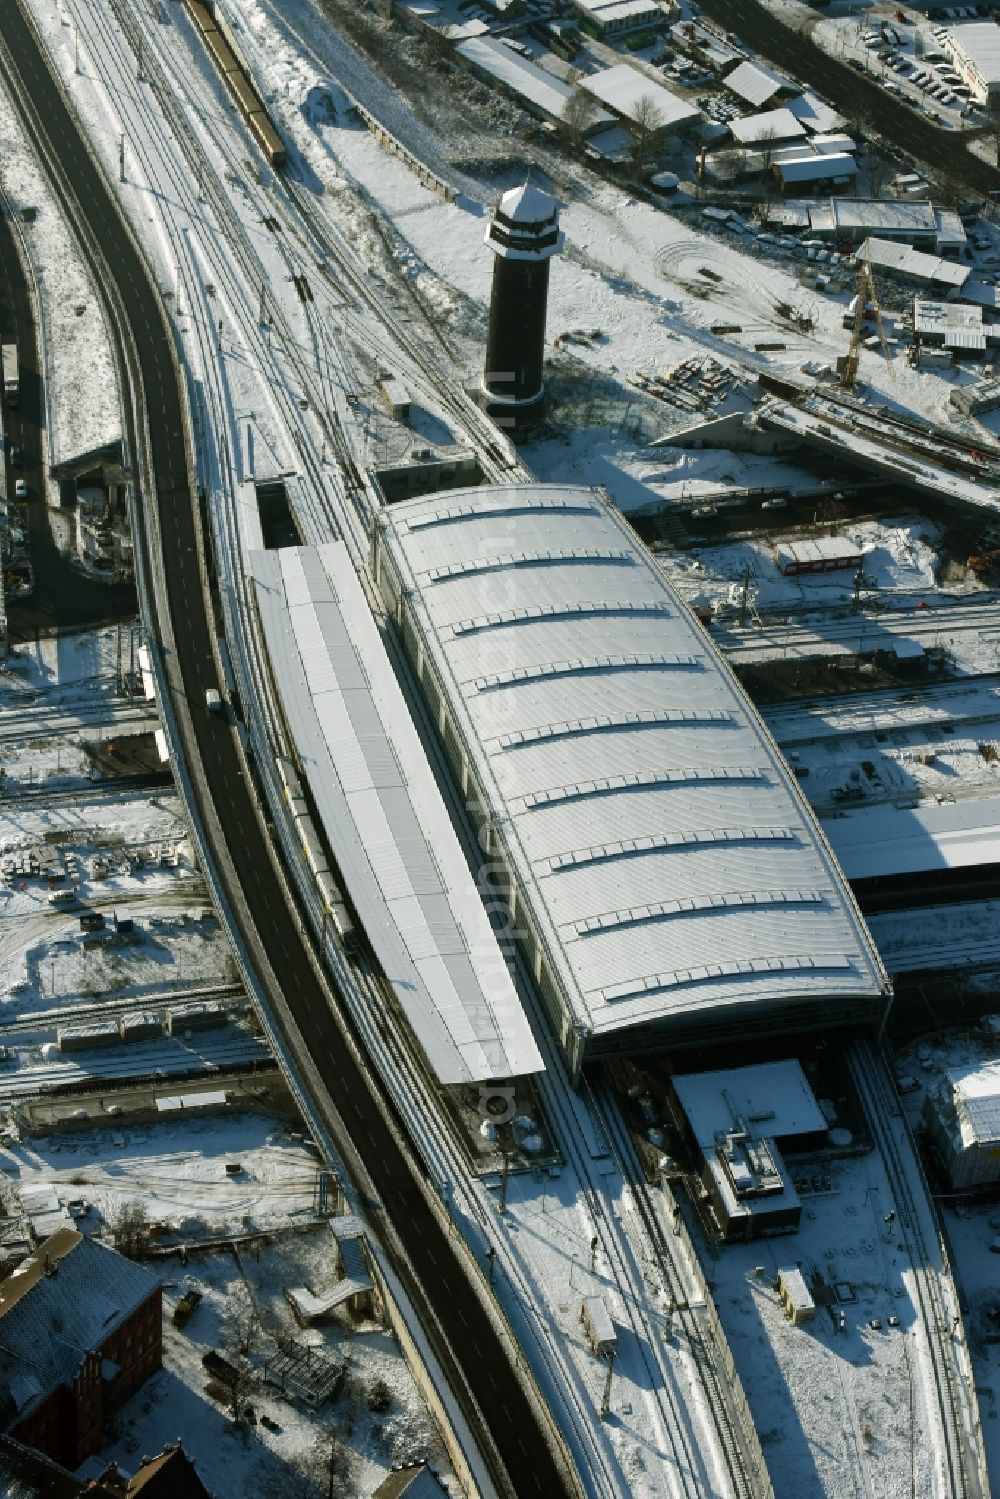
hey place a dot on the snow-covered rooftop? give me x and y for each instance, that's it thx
(814, 114)
(385, 818)
(773, 1099)
(58, 1305)
(817, 168)
(885, 255)
(772, 125)
(879, 841)
(979, 44)
(666, 853)
(623, 88)
(754, 83)
(539, 87)
(977, 1096)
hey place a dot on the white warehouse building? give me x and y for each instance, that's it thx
(975, 51)
(665, 879)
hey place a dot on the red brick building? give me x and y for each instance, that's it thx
(80, 1329)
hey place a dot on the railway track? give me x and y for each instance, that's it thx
(111, 1007)
(344, 504)
(746, 1471)
(953, 1419)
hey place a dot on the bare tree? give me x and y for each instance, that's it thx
(577, 116)
(647, 129)
(241, 1320)
(731, 163)
(766, 146)
(129, 1223)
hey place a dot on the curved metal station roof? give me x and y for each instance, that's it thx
(668, 857)
(385, 819)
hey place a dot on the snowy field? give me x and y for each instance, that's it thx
(834, 1409)
(970, 1227)
(899, 557)
(83, 410)
(177, 1173)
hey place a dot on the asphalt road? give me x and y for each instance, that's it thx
(854, 94)
(472, 1342)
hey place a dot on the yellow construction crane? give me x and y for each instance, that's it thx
(867, 297)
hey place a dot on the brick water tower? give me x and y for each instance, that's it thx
(524, 235)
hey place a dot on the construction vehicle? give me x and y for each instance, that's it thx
(186, 1307)
(866, 308)
(984, 563)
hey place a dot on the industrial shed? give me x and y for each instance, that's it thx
(666, 879)
(962, 1116)
(623, 89)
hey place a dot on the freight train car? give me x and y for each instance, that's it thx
(241, 89)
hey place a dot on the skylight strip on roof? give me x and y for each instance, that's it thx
(552, 669)
(639, 781)
(662, 842)
(500, 561)
(729, 968)
(653, 718)
(729, 900)
(601, 609)
(451, 513)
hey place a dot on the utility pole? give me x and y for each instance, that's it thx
(121, 157)
(505, 1173)
(606, 1397)
(745, 594)
(138, 58)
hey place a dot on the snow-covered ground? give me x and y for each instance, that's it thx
(177, 1172)
(628, 272)
(835, 1410)
(971, 1227)
(899, 557)
(83, 408)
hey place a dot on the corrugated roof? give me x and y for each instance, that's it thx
(667, 855)
(816, 168)
(772, 125)
(754, 83)
(385, 819)
(914, 264)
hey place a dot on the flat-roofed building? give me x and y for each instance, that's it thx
(975, 51)
(617, 17)
(740, 1121)
(665, 877)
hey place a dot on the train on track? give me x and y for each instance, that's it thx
(330, 892)
(234, 76)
